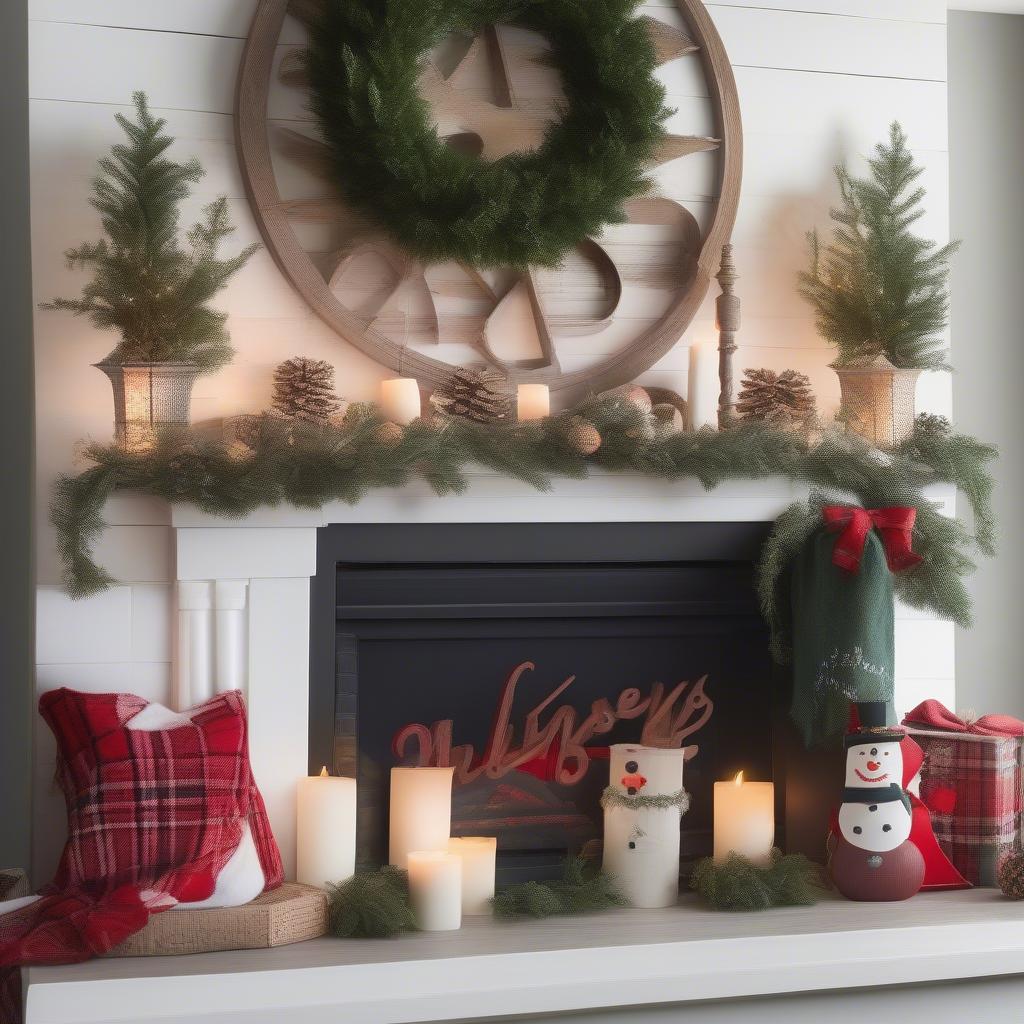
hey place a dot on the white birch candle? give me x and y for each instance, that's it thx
(643, 807)
(479, 864)
(400, 400)
(744, 819)
(326, 833)
(702, 387)
(435, 889)
(533, 402)
(421, 812)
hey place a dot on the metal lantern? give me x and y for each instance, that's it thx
(148, 396)
(878, 400)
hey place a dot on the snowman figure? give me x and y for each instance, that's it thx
(643, 806)
(874, 857)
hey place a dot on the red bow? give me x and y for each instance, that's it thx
(934, 715)
(894, 524)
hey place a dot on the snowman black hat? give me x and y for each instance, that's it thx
(873, 718)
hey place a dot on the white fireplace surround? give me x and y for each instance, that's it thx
(209, 604)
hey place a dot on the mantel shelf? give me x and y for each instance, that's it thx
(490, 969)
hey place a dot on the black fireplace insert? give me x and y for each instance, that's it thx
(518, 653)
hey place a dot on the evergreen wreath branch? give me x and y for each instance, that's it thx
(363, 65)
(310, 464)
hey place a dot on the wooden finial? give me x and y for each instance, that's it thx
(727, 308)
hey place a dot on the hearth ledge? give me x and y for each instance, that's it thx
(496, 970)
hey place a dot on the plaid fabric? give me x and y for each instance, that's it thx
(153, 816)
(971, 784)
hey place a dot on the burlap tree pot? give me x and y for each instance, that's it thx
(148, 396)
(878, 400)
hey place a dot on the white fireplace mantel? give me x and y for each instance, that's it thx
(684, 959)
(271, 555)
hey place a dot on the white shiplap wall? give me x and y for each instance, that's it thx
(819, 82)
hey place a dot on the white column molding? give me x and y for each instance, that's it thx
(231, 654)
(193, 670)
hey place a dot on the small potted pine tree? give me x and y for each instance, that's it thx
(149, 286)
(880, 293)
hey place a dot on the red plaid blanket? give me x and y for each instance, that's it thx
(153, 816)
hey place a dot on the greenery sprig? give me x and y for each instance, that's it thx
(739, 884)
(371, 905)
(584, 888)
(440, 203)
(309, 464)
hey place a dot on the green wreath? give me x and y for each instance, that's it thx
(440, 204)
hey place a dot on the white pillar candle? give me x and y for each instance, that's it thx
(641, 837)
(326, 833)
(533, 402)
(744, 819)
(435, 889)
(421, 811)
(702, 387)
(479, 863)
(400, 400)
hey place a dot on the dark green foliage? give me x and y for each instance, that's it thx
(145, 284)
(309, 464)
(583, 889)
(441, 204)
(878, 288)
(371, 905)
(739, 884)
(842, 465)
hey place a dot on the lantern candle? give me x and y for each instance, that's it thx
(400, 400)
(702, 387)
(326, 834)
(435, 889)
(479, 856)
(533, 402)
(421, 811)
(744, 819)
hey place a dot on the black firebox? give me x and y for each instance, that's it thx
(517, 653)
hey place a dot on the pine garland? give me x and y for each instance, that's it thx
(583, 889)
(371, 905)
(877, 288)
(440, 204)
(739, 884)
(611, 797)
(309, 464)
(145, 284)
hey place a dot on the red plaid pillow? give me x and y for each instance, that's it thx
(153, 816)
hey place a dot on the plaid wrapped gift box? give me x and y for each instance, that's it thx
(971, 784)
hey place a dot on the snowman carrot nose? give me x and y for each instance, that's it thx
(633, 782)
(873, 766)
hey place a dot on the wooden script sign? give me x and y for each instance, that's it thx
(535, 783)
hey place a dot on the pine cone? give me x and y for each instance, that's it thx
(480, 395)
(1011, 876)
(782, 399)
(304, 389)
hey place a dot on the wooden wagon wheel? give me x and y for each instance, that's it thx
(275, 215)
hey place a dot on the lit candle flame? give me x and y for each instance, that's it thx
(324, 772)
(739, 779)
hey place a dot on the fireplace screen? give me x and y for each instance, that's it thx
(521, 674)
